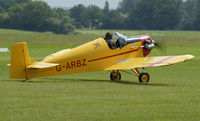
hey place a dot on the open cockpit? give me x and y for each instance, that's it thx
(116, 40)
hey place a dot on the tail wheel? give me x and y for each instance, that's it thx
(115, 76)
(144, 77)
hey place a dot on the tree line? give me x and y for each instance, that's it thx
(130, 14)
(140, 15)
(34, 16)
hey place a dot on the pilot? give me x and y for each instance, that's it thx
(108, 38)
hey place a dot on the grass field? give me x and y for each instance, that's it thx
(173, 93)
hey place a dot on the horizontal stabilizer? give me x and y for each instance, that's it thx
(40, 65)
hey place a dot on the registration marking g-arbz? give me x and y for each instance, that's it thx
(72, 65)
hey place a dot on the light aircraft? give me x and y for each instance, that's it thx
(116, 52)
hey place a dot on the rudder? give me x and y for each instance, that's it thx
(19, 61)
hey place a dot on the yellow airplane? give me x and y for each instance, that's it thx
(115, 52)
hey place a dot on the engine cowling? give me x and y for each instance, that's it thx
(147, 43)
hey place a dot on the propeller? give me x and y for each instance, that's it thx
(150, 44)
(161, 46)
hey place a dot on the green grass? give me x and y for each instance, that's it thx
(171, 95)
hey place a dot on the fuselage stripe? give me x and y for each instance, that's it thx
(113, 55)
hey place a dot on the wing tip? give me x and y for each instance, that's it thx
(188, 56)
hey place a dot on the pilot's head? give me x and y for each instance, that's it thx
(108, 36)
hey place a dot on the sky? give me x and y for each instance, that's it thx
(71, 3)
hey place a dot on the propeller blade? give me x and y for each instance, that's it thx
(161, 46)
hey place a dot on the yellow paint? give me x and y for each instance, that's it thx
(89, 57)
(151, 62)
(19, 61)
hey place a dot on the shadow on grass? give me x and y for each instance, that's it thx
(54, 80)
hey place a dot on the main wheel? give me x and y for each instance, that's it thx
(115, 76)
(144, 77)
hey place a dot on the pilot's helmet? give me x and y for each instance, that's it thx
(108, 36)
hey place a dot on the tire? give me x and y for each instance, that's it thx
(144, 77)
(114, 77)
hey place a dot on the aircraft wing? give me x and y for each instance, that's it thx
(40, 65)
(149, 62)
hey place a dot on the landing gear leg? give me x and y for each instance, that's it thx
(115, 75)
(143, 77)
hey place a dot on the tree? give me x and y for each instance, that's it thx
(76, 15)
(16, 18)
(166, 14)
(1, 9)
(196, 22)
(126, 6)
(155, 14)
(95, 15)
(38, 16)
(141, 16)
(60, 13)
(189, 13)
(113, 20)
(6, 4)
(23, 1)
(106, 7)
(4, 17)
(88, 17)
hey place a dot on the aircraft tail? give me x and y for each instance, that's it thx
(20, 61)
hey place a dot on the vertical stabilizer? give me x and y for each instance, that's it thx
(19, 61)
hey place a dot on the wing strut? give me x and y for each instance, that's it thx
(136, 71)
